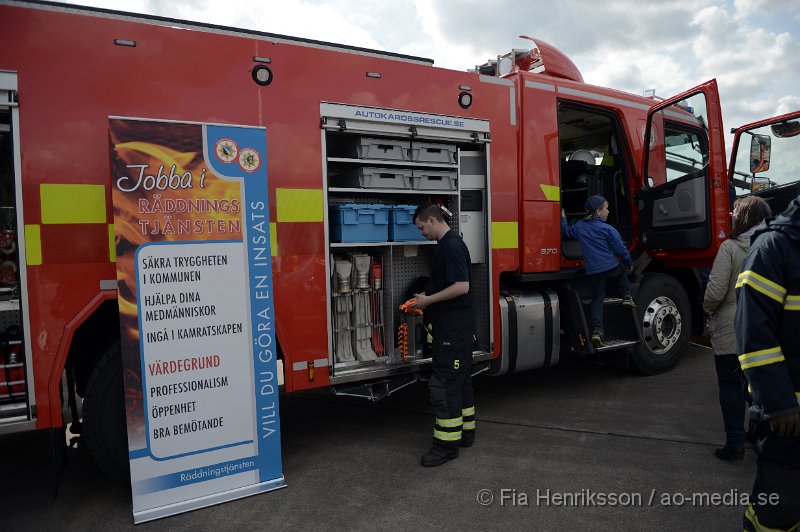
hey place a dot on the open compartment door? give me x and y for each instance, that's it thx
(684, 197)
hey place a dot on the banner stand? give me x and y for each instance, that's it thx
(197, 326)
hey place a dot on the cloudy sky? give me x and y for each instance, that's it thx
(752, 47)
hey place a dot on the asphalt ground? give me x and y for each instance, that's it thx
(581, 446)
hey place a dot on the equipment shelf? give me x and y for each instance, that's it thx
(9, 305)
(379, 191)
(382, 162)
(380, 244)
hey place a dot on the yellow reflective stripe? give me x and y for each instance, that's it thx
(299, 204)
(761, 284)
(73, 204)
(797, 394)
(447, 423)
(273, 239)
(468, 411)
(750, 515)
(792, 303)
(112, 244)
(551, 192)
(469, 425)
(505, 235)
(447, 436)
(761, 358)
(33, 245)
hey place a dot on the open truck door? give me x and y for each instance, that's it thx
(765, 160)
(683, 201)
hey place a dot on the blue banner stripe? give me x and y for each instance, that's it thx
(192, 476)
(255, 229)
(138, 453)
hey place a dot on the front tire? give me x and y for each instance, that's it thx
(104, 427)
(664, 315)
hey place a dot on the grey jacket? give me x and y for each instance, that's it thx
(720, 296)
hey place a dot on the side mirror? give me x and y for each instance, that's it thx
(760, 183)
(786, 129)
(760, 147)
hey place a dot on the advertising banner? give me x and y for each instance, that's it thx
(194, 272)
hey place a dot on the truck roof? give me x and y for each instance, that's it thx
(212, 28)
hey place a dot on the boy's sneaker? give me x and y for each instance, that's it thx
(597, 339)
(628, 301)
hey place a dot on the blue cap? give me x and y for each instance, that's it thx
(594, 203)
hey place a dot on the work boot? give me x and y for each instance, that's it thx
(729, 453)
(597, 339)
(628, 302)
(436, 457)
(467, 438)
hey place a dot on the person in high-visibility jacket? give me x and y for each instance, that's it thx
(447, 301)
(766, 324)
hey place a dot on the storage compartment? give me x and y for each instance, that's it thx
(14, 386)
(370, 148)
(425, 152)
(433, 180)
(377, 258)
(354, 222)
(401, 224)
(369, 177)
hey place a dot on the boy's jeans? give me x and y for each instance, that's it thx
(598, 282)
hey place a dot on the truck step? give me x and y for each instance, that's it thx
(610, 345)
(606, 301)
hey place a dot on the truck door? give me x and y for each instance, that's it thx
(683, 201)
(764, 160)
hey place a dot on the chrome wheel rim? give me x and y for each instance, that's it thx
(661, 325)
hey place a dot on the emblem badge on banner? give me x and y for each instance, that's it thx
(194, 272)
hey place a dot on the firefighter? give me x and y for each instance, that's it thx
(448, 305)
(766, 323)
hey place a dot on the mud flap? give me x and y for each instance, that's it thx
(58, 448)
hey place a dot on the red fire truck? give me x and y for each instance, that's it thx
(356, 139)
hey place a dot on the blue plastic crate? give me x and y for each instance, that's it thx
(401, 224)
(353, 222)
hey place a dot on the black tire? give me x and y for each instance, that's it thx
(664, 315)
(105, 431)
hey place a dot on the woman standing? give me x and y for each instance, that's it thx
(720, 302)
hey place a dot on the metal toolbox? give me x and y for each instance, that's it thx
(368, 177)
(434, 180)
(371, 148)
(426, 152)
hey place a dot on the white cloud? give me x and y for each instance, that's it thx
(787, 104)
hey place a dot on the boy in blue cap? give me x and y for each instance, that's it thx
(601, 245)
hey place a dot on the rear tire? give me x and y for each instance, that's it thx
(104, 427)
(665, 318)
